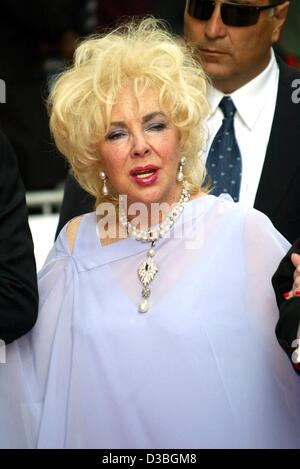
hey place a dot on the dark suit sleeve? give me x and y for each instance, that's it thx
(18, 283)
(289, 310)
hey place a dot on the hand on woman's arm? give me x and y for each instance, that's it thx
(295, 291)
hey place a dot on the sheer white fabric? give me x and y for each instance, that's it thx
(201, 369)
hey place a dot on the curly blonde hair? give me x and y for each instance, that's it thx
(144, 54)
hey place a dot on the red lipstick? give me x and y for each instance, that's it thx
(145, 175)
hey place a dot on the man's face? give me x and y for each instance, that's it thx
(231, 55)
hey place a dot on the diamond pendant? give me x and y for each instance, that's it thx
(147, 271)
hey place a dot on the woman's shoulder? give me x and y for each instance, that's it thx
(224, 204)
(237, 215)
(65, 251)
(256, 226)
(69, 234)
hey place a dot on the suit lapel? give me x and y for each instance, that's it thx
(281, 161)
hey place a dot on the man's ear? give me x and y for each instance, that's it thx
(279, 17)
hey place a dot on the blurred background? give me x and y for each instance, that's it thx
(37, 41)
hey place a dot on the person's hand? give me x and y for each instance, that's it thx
(295, 291)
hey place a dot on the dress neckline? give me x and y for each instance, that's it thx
(89, 253)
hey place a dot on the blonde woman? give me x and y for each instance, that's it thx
(156, 310)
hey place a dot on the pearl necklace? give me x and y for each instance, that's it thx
(148, 269)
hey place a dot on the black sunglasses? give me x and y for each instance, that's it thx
(232, 14)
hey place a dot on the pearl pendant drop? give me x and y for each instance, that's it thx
(180, 176)
(143, 306)
(105, 190)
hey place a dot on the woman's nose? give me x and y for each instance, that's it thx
(140, 146)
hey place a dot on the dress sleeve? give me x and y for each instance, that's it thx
(264, 248)
(24, 377)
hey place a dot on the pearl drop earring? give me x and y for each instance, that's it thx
(180, 172)
(103, 177)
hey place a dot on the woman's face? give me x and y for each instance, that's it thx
(140, 153)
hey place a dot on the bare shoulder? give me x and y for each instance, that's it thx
(72, 229)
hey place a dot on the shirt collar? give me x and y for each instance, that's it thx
(251, 98)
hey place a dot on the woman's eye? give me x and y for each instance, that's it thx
(116, 135)
(157, 127)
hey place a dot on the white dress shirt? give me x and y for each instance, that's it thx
(255, 106)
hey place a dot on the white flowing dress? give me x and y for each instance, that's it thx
(201, 369)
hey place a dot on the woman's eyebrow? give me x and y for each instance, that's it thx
(146, 118)
(117, 124)
(150, 116)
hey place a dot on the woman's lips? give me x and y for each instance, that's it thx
(145, 176)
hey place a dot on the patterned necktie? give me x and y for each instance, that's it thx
(224, 163)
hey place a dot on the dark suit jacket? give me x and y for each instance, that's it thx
(278, 194)
(18, 285)
(289, 310)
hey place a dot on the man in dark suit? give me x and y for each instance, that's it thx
(286, 283)
(18, 284)
(240, 62)
(246, 54)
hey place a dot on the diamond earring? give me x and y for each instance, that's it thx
(103, 177)
(180, 172)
